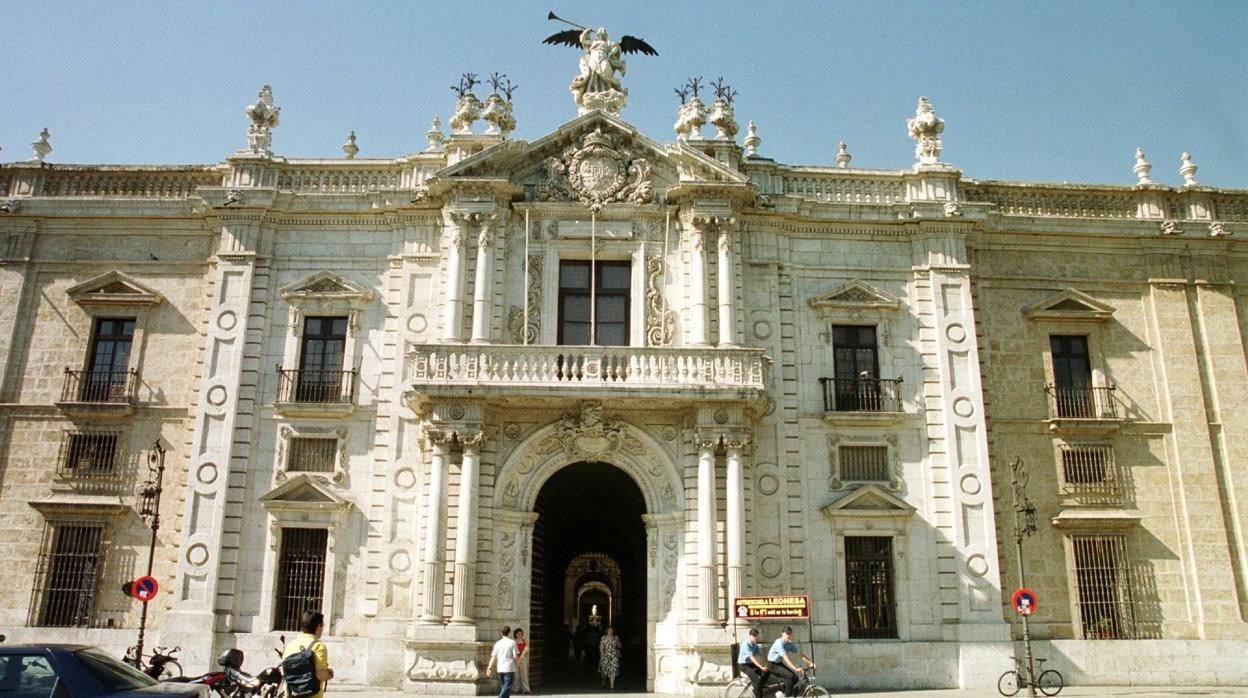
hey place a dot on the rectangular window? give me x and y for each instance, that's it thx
(1087, 465)
(1072, 376)
(321, 359)
(300, 575)
(311, 455)
(1102, 587)
(869, 587)
(109, 361)
(863, 463)
(68, 574)
(856, 384)
(603, 286)
(88, 454)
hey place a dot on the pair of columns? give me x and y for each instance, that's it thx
(708, 570)
(465, 560)
(462, 225)
(702, 227)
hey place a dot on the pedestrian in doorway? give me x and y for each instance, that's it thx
(522, 662)
(609, 650)
(503, 656)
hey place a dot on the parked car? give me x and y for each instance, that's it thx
(78, 671)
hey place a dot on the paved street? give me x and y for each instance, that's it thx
(1134, 691)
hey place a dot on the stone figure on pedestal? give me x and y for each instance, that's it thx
(597, 86)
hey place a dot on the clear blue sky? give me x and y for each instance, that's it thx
(1032, 91)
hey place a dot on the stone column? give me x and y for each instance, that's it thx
(466, 531)
(697, 284)
(727, 302)
(435, 529)
(707, 577)
(735, 491)
(453, 304)
(481, 286)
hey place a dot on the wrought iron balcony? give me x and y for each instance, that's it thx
(316, 387)
(105, 387)
(1081, 402)
(622, 371)
(861, 394)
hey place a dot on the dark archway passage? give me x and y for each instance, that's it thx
(589, 548)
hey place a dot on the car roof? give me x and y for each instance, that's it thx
(27, 647)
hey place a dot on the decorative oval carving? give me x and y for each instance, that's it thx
(417, 323)
(977, 565)
(405, 478)
(207, 473)
(227, 320)
(955, 333)
(963, 407)
(217, 395)
(971, 484)
(197, 554)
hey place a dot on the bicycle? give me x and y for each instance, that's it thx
(1049, 681)
(805, 686)
(162, 664)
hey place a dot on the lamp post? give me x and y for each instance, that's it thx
(1024, 525)
(149, 509)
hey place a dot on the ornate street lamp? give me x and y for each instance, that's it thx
(1024, 525)
(149, 509)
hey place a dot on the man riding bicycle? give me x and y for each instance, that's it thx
(750, 663)
(779, 662)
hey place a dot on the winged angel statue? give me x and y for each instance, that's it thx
(597, 86)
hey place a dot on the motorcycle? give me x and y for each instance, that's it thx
(239, 684)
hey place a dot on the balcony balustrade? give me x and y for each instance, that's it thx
(316, 387)
(111, 387)
(1081, 402)
(622, 371)
(861, 394)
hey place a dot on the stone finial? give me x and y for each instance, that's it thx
(842, 156)
(1142, 168)
(467, 107)
(1218, 229)
(692, 113)
(41, 147)
(752, 141)
(264, 117)
(350, 149)
(925, 129)
(434, 136)
(1188, 171)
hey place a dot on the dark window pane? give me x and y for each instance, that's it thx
(574, 275)
(612, 309)
(614, 275)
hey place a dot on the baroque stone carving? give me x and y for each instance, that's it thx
(590, 432)
(506, 543)
(660, 322)
(597, 172)
(505, 594)
(264, 118)
(426, 669)
(925, 129)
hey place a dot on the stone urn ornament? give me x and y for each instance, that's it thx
(467, 107)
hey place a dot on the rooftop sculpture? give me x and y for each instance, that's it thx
(597, 86)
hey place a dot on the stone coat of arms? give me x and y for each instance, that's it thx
(597, 172)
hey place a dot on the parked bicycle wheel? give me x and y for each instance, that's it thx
(169, 670)
(739, 687)
(1050, 682)
(1009, 683)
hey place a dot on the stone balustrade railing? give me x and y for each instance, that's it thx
(1056, 201)
(112, 181)
(324, 180)
(596, 367)
(845, 188)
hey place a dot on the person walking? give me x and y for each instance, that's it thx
(503, 656)
(522, 662)
(750, 663)
(312, 623)
(609, 650)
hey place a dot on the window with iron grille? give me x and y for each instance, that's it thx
(1088, 466)
(869, 587)
(1103, 587)
(311, 455)
(863, 463)
(88, 453)
(68, 574)
(300, 575)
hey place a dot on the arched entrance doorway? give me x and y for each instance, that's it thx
(589, 570)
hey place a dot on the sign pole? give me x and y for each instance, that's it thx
(150, 510)
(1024, 526)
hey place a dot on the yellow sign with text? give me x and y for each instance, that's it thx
(777, 607)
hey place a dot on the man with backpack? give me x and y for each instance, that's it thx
(305, 663)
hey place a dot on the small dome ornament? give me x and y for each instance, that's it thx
(1142, 168)
(435, 136)
(925, 129)
(842, 156)
(264, 117)
(1188, 171)
(752, 141)
(41, 147)
(350, 149)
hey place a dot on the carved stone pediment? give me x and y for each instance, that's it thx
(303, 493)
(326, 286)
(1070, 304)
(113, 288)
(597, 170)
(855, 295)
(869, 501)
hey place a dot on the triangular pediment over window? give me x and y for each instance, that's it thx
(303, 493)
(855, 294)
(869, 501)
(113, 288)
(594, 159)
(1069, 305)
(326, 286)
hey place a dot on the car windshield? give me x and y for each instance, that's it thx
(112, 673)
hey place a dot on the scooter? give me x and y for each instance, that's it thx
(239, 684)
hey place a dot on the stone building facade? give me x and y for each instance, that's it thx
(598, 379)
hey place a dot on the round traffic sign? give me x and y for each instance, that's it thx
(1025, 602)
(144, 588)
